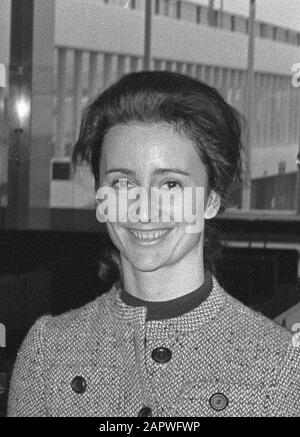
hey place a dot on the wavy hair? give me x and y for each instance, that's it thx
(194, 109)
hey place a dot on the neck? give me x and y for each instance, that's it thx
(168, 282)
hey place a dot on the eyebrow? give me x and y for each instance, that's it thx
(121, 170)
(157, 171)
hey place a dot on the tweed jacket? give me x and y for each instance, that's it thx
(97, 361)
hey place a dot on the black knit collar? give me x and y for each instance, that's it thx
(160, 310)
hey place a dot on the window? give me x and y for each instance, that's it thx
(287, 36)
(166, 7)
(293, 39)
(178, 10)
(263, 30)
(213, 17)
(275, 33)
(198, 14)
(298, 39)
(157, 5)
(232, 23)
(247, 25)
(61, 171)
(133, 4)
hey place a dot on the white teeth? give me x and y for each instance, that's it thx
(149, 234)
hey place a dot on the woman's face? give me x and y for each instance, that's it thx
(145, 156)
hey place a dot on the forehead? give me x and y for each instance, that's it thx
(137, 144)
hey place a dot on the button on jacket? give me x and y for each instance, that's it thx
(106, 359)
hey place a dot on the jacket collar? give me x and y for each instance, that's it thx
(190, 321)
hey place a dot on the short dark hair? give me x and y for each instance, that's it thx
(191, 106)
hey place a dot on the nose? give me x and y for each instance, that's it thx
(141, 206)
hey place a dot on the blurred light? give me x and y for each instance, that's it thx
(23, 109)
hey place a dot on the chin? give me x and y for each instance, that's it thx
(145, 264)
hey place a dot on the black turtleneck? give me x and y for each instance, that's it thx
(159, 310)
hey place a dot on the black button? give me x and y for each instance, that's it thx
(78, 385)
(145, 412)
(218, 401)
(161, 355)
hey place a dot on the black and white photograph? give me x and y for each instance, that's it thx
(149, 211)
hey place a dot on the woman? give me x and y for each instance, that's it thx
(166, 339)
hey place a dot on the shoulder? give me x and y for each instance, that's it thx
(271, 352)
(79, 320)
(74, 324)
(254, 325)
(53, 341)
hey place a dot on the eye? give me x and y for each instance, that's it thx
(172, 186)
(122, 183)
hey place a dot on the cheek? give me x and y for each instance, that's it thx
(189, 208)
(113, 232)
(184, 244)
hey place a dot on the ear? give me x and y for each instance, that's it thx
(213, 205)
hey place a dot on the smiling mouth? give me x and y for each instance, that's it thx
(150, 237)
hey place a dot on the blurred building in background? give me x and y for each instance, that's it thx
(96, 41)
